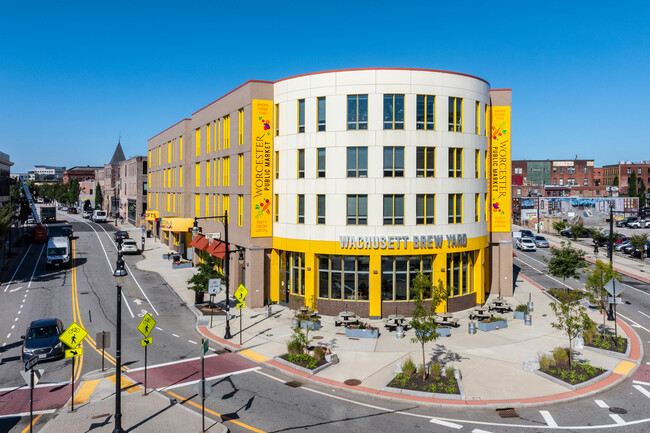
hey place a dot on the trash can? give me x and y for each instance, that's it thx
(399, 332)
(528, 320)
(176, 258)
(530, 306)
(149, 233)
(471, 327)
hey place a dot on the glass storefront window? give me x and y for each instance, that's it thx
(335, 290)
(363, 284)
(323, 277)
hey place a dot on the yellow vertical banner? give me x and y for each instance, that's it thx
(262, 169)
(500, 151)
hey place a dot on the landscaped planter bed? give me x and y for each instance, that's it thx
(181, 265)
(492, 326)
(576, 376)
(301, 365)
(609, 344)
(361, 333)
(432, 387)
(519, 315)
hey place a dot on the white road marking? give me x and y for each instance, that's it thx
(632, 322)
(446, 423)
(12, 327)
(178, 385)
(16, 271)
(19, 311)
(476, 430)
(158, 328)
(548, 418)
(545, 273)
(638, 382)
(35, 266)
(8, 335)
(16, 289)
(193, 342)
(642, 390)
(635, 326)
(169, 363)
(602, 404)
(22, 414)
(641, 312)
(176, 335)
(617, 419)
(15, 320)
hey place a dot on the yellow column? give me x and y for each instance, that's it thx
(375, 286)
(310, 279)
(440, 262)
(274, 288)
(479, 275)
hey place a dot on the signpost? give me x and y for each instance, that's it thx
(614, 288)
(103, 338)
(205, 346)
(240, 294)
(214, 288)
(31, 379)
(72, 337)
(145, 327)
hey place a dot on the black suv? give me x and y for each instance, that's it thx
(42, 340)
(121, 235)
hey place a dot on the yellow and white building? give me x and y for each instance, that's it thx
(342, 185)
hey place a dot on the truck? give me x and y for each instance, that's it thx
(48, 214)
(57, 253)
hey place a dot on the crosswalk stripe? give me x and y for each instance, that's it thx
(638, 382)
(642, 390)
(617, 419)
(548, 418)
(85, 391)
(602, 404)
(446, 423)
(476, 430)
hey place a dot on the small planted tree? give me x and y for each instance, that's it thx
(99, 197)
(578, 230)
(595, 286)
(423, 322)
(639, 242)
(566, 262)
(598, 235)
(558, 226)
(572, 319)
(206, 271)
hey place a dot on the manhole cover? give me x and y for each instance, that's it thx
(293, 384)
(352, 382)
(317, 337)
(507, 412)
(618, 410)
(340, 333)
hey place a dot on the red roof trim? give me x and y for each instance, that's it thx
(182, 120)
(233, 90)
(500, 90)
(384, 69)
(195, 240)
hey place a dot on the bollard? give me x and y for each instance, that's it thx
(530, 306)
(471, 327)
(399, 332)
(528, 320)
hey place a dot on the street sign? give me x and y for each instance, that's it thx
(203, 391)
(146, 325)
(614, 300)
(74, 352)
(142, 227)
(241, 293)
(206, 346)
(614, 287)
(146, 341)
(73, 336)
(241, 305)
(103, 339)
(37, 376)
(31, 362)
(214, 286)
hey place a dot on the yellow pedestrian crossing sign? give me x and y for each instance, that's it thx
(146, 341)
(241, 293)
(73, 336)
(146, 325)
(241, 305)
(71, 353)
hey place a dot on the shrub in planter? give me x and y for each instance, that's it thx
(435, 369)
(520, 311)
(362, 330)
(561, 356)
(319, 353)
(408, 368)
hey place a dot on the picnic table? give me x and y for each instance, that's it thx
(395, 320)
(479, 313)
(446, 319)
(346, 318)
(500, 306)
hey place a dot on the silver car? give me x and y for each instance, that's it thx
(541, 242)
(526, 244)
(129, 246)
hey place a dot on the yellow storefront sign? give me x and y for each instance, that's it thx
(262, 169)
(176, 224)
(499, 174)
(151, 215)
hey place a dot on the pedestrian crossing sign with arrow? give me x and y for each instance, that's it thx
(146, 341)
(146, 325)
(74, 352)
(73, 336)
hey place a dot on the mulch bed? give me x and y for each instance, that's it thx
(569, 296)
(206, 310)
(576, 373)
(303, 363)
(610, 343)
(439, 384)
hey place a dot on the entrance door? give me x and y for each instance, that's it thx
(284, 287)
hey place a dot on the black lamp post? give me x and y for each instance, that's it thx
(119, 275)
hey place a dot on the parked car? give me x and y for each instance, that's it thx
(619, 247)
(87, 214)
(541, 242)
(30, 220)
(99, 216)
(631, 220)
(72, 210)
(57, 231)
(622, 240)
(64, 208)
(622, 223)
(121, 235)
(129, 246)
(638, 224)
(42, 339)
(526, 234)
(567, 233)
(526, 244)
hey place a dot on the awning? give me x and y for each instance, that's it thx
(200, 242)
(175, 224)
(150, 215)
(217, 249)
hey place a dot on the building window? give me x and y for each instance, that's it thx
(357, 161)
(393, 161)
(349, 273)
(425, 162)
(321, 161)
(197, 139)
(357, 112)
(554, 170)
(570, 170)
(240, 169)
(425, 209)
(208, 136)
(398, 273)
(455, 114)
(393, 111)
(393, 209)
(320, 116)
(357, 210)
(455, 209)
(586, 182)
(477, 208)
(587, 170)
(455, 162)
(561, 182)
(301, 163)
(277, 119)
(277, 208)
(277, 164)
(226, 171)
(240, 210)
(197, 174)
(477, 164)
(320, 209)
(301, 116)
(301, 209)
(226, 132)
(226, 206)
(478, 118)
(460, 275)
(240, 127)
(197, 205)
(207, 173)
(425, 116)
(518, 192)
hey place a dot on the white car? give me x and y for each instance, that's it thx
(129, 246)
(526, 244)
(639, 224)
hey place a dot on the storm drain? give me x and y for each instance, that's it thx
(618, 410)
(352, 382)
(293, 384)
(507, 412)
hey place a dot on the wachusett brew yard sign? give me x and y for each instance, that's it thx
(402, 241)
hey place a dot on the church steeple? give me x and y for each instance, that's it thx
(118, 155)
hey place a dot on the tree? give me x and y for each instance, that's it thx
(99, 198)
(631, 188)
(566, 262)
(423, 322)
(578, 230)
(642, 193)
(199, 282)
(639, 242)
(595, 286)
(598, 235)
(15, 192)
(558, 226)
(6, 215)
(73, 190)
(572, 319)
(615, 181)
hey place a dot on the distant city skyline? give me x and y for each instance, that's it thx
(77, 77)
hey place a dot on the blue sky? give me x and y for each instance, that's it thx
(74, 76)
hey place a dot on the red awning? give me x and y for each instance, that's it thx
(200, 242)
(217, 249)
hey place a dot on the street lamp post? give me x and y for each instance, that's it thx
(119, 275)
